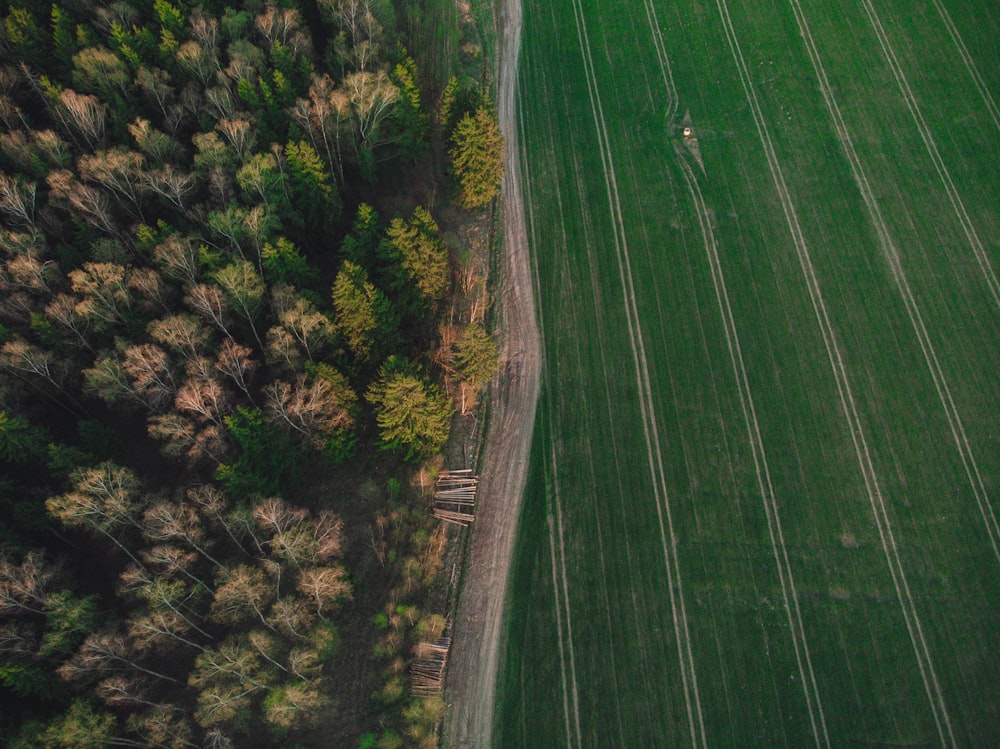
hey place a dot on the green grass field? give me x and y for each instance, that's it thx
(763, 502)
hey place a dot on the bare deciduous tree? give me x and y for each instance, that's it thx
(92, 204)
(155, 85)
(292, 616)
(30, 361)
(148, 366)
(326, 117)
(170, 183)
(124, 691)
(209, 302)
(104, 292)
(102, 653)
(372, 96)
(237, 363)
(311, 328)
(241, 593)
(105, 499)
(316, 411)
(24, 584)
(205, 398)
(163, 727)
(17, 200)
(171, 521)
(326, 587)
(239, 133)
(81, 114)
(282, 347)
(156, 629)
(31, 273)
(118, 170)
(184, 334)
(178, 256)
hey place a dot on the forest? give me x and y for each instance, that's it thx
(239, 316)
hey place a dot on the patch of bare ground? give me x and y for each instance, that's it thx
(470, 686)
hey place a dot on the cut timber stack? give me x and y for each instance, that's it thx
(427, 669)
(455, 496)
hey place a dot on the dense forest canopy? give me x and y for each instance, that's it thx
(232, 329)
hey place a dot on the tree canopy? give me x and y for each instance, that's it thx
(477, 157)
(207, 331)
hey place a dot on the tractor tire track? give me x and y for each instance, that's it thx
(664, 61)
(561, 586)
(970, 64)
(814, 703)
(932, 150)
(894, 258)
(689, 681)
(846, 396)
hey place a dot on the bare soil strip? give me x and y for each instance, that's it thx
(928, 138)
(883, 524)
(814, 703)
(651, 431)
(894, 259)
(472, 672)
(970, 64)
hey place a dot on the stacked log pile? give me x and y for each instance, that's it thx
(455, 496)
(427, 669)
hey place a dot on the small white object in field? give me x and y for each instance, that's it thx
(688, 132)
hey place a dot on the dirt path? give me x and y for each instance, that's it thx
(470, 688)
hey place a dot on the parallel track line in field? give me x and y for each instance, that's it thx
(846, 396)
(893, 256)
(663, 59)
(569, 682)
(560, 534)
(607, 377)
(970, 64)
(814, 703)
(696, 724)
(559, 632)
(932, 150)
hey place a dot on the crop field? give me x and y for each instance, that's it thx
(765, 485)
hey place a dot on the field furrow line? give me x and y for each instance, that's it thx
(856, 429)
(970, 64)
(559, 633)
(692, 700)
(814, 703)
(893, 256)
(531, 232)
(661, 55)
(932, 150)
(560, 582)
